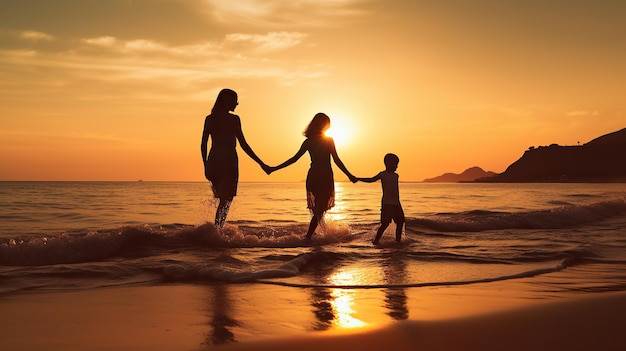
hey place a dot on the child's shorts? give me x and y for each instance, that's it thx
(391, 212)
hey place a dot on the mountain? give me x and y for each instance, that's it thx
(601, 160)
(468, 175)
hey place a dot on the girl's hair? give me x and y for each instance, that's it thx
(318, 125)
(226, 101)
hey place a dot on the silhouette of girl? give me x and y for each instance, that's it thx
(221, 166)
(320, 184)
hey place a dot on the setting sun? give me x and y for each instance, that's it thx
(340, 131)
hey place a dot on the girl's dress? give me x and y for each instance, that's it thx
(320, 183)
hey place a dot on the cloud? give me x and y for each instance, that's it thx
(100, 67)
(106, 41)
(270, 41)
(35, 35)
(235, 43)
(286, 13)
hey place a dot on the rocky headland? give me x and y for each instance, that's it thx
(601, 160)
(469, 175)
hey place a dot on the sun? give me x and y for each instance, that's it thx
(340, 131)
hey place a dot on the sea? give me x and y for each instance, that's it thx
(69, 236)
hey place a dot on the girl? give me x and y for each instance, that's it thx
(221, 166)
(320, 185)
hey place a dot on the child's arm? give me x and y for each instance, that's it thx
(369, 180)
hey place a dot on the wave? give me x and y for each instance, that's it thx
(147, 240)
(555, 218)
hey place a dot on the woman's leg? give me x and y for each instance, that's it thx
(222, 212)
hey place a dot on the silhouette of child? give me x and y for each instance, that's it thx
(391, 209)
(320, 183)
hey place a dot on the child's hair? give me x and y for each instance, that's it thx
(391, 159)
(226, 100)
(318, 125)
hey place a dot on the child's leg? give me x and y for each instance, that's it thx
(385, 219)
(399, 226)
(380, 232)
(399, 219)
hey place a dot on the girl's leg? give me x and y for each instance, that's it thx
(312, 227)
(315, 220)
(222, 212)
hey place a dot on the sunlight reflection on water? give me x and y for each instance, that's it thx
(343, 299)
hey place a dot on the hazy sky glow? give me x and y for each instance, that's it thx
(118, 89)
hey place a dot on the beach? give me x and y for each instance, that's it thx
(180, 317)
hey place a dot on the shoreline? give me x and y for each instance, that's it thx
(491, 316)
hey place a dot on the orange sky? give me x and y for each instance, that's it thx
(118, 89)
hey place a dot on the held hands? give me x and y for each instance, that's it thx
(353, 179)
(267, 169)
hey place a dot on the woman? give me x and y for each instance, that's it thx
(320, 185)
(221, 166)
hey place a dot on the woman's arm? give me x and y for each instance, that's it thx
(342, 167)
(293, 159)
(205, 139)
(245, 147)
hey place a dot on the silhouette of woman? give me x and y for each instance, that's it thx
(320, 184)
(221, 166)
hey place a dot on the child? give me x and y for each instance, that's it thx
(391, 207)
(320, 183)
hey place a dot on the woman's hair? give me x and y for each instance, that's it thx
(226, 101)
(318, 125)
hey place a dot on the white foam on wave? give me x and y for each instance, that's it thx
(267, 236)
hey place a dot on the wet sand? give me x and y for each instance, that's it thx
(266, 317)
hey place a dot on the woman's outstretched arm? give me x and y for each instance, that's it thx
(339, 163)
(246, 147)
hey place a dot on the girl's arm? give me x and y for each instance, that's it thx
(342, 167)
(293, 159)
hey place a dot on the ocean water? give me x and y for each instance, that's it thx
(88, 235)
